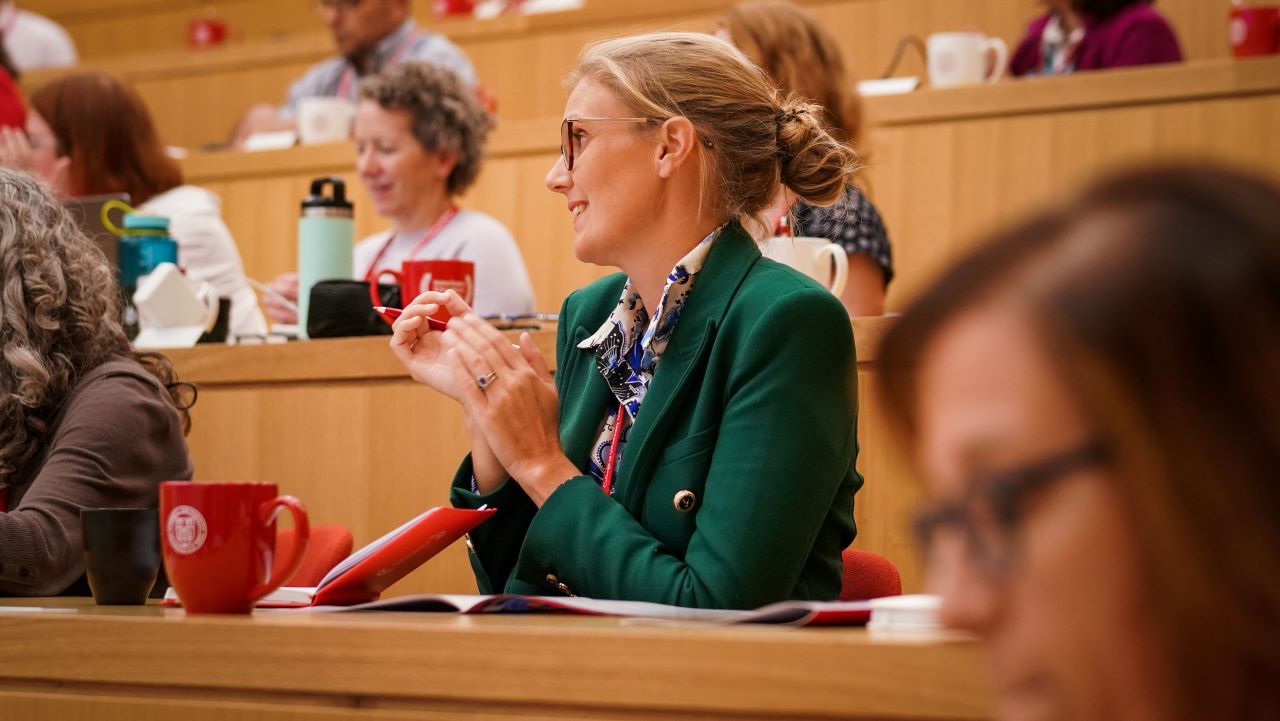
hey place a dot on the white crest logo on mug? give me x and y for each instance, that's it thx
(186, 530)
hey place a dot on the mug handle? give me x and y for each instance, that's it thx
(373, 285)
(209, 296)
(841, 272)
(282, 571)
(1002, 58)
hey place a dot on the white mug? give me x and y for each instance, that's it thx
(961, 59)
(817, 258)
(324, 120)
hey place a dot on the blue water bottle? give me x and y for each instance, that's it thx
(144, 245)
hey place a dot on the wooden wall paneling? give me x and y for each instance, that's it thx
(366, 454)
(891, 494)
(98, 27)
(194, 111)
(197, 97)
(104, 29)
(944, 186)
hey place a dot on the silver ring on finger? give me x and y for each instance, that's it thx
(486, 380)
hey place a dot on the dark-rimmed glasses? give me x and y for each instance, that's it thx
(989, 515)
(569, 142)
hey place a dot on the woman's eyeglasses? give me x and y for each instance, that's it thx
(989, 516)
(569, 142)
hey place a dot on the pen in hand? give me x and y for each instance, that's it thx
(391, 314)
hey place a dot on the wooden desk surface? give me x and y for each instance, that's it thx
(330, 359)
(471, 667)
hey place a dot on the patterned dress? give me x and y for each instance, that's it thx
(853, 222)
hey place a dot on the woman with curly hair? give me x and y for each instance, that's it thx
(85, 421)
(1093, 35)
(420, 133)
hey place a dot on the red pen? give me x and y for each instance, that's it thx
(391, 314)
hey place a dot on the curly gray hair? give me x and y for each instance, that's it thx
(59, 319)
(445, 114)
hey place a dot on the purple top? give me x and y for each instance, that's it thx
(1136, 35)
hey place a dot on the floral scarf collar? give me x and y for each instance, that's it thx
(629, 344)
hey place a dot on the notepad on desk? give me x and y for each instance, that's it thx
(365, 574)
(796, 613)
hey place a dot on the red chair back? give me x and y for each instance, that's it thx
(329, 544)
(868, 575)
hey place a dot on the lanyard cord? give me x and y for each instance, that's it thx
(613, 450)
(427, 237)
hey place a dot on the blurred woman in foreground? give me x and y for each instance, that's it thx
(1093, 400)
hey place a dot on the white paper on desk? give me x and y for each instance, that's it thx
(179, 337)
(888, 86)
(276, 140)
(534, 7)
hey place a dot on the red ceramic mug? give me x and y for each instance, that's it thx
(418, 276)
(1254, 30)
(219, 542)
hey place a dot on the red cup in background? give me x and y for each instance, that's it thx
(1254, 30)
(204, 32)
(418, 276)
(219, 540)
(454, 8)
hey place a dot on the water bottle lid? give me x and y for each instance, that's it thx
(134, 221)
(336, 202)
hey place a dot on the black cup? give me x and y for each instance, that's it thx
(221, 327)
(121, 553)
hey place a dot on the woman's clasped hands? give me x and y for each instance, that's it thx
(507, 391)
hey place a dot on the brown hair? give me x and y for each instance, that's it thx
(752, 138)
(104, 127)
(445, 114)
(1157, 294)
(800, 56)
(59, 319)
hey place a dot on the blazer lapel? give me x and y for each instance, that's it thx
(583, 401)
(686, 356)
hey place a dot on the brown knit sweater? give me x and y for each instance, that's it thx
(116, 438)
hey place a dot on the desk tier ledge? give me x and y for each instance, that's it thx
(511, 667)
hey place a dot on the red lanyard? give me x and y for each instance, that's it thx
(431, 233)
(613, 449)
(344, 82)
(4, 499)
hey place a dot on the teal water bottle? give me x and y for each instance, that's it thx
(326, 235)
(144, 245)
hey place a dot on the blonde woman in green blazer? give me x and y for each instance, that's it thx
(697, 444)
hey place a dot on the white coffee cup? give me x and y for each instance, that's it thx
(961, 59)
(817, 258)
(324, 120)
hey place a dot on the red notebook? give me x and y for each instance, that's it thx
(365, 574)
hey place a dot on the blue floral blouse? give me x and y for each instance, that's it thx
(626, 357)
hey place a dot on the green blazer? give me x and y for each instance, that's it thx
(752, 410)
